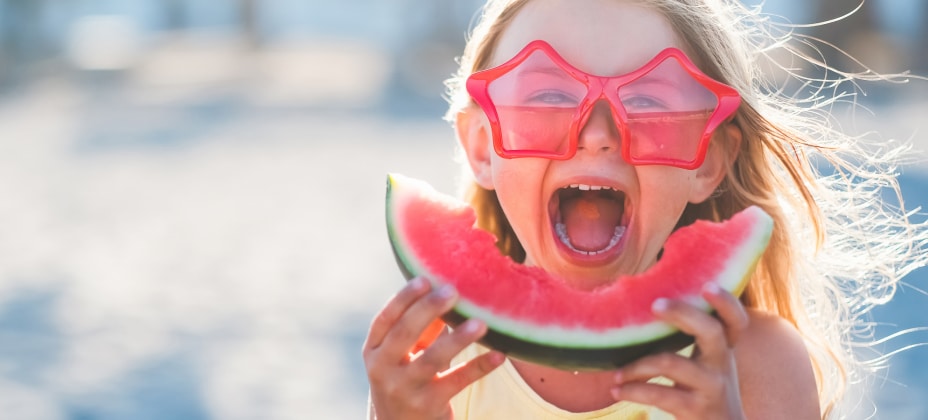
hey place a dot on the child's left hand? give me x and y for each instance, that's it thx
(706, 385)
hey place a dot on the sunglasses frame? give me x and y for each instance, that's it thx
(602, 88)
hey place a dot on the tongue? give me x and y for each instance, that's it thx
(590, 220)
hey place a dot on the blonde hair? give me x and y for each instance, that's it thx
(837, 249)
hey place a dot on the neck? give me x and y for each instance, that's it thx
(572, 391)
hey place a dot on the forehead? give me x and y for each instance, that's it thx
(603, 37)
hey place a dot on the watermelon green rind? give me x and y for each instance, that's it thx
(566, 337)
(572, 358)
(734, 278)
(560, 346)
(408, 265)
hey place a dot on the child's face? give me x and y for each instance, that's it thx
(588, 237)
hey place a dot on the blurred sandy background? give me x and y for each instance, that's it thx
(191, 195)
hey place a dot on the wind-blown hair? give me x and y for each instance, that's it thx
(837, 248)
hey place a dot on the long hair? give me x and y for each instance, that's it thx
(836, 249)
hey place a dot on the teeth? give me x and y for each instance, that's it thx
(585, 187)
(562, 234)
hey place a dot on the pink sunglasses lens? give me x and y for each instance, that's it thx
(536, 102)
(667, 111)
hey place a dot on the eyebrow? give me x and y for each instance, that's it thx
(648, 79)
(656, 81)
(546, 69)
(652, 79)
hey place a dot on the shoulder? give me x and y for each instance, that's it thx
(765, 330)
(774, 370)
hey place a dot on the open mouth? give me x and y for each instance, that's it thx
(589, 220)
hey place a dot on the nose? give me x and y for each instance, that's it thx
(600, 133)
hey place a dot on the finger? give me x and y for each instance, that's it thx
(672, 400)
(402, 337)
(453, 381)
(729, 310)
(682, 371)
(709, 332)
(393, 310)
(438, 357)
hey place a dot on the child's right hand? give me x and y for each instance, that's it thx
(420, 386)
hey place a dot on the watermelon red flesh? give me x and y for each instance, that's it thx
(433, 235)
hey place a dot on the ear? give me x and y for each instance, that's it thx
(719, 158)
(473, 133)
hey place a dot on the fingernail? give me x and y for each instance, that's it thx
(712, 288)
(660, 305)
(445, 291)
(417, 283)
(497, 358)
(615, 392)
(471, 326)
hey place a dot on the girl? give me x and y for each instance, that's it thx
(652, 110)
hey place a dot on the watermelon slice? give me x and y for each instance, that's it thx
(534, 316)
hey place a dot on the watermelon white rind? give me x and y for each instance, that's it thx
(433, 236)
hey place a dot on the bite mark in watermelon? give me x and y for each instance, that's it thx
(534, 316)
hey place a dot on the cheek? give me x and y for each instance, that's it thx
(664, 186)
(509, 175)
(518, 185)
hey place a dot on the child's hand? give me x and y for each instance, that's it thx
(706, 386)
(420, 386)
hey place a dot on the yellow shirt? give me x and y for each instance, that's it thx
(504, 395)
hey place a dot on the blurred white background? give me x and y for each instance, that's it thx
(191, 219)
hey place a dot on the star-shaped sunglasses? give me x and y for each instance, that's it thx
(665, 112)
